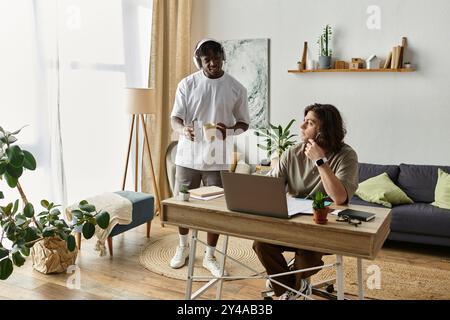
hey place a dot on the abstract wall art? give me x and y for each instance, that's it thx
(248, 61)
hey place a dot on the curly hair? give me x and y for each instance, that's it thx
(332, 129)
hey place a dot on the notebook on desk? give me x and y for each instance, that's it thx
(356, 214)
(261, 195)
(204, 192)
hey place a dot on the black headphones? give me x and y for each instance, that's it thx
(196, 58)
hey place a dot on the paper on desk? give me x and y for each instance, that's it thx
(335, 212)
(207, 198)
(300, 205)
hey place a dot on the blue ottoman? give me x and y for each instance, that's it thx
(142, 212)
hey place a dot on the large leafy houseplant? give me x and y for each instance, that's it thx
(277, 139)
(21, 224)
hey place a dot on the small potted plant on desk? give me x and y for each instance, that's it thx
(184, 193)
(320, 210)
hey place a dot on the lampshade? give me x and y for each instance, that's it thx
(140, 100)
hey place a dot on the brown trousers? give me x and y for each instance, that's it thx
(272, 259)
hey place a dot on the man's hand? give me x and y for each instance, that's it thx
(313, 151)
(188, 132)
(223, 129)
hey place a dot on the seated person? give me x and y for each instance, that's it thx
(322, 162)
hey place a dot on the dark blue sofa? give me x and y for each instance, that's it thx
(419, 222)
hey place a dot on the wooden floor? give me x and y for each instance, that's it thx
(122, 277)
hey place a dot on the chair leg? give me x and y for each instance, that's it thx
(149, 225)
(110, 246)
(78, 240)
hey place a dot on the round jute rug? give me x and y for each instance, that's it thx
(396, 280)
(393, 281)
(157, 254)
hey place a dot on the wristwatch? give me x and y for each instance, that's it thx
(321, 161)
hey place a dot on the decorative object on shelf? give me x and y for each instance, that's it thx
(396, 56)
(395, 61)
(412, 69)
(320, 210)
(311, 64)
(305, 53)
(402, 52)
(299, 65)
(324, 48)
(407, 65)
(387, 62)
(341, 64)
(276, 139)
(184, 193)
(373, 62)
(357, 63)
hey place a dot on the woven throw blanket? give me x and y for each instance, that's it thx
(120, 212)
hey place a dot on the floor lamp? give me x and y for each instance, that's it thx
(141, 101)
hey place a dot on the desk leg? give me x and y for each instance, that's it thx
(192, 250)
(340, 277)
(360, 279)
(222, 268)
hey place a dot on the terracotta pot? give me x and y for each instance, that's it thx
(320, 215)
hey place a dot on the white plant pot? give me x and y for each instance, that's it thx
(183, 196)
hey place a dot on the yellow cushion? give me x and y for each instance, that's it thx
(382, 190)
(442, 191)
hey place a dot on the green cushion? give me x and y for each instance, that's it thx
(442, 191)
(380, 189)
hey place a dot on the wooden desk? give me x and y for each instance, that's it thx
(340, 238)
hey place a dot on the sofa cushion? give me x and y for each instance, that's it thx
(382, 190)
(368, 170)
(419, 181)
(360, 202)
(421, 218)
(442, 192)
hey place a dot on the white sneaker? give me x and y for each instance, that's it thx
(269, 284)
(213, 266)
(180, 257)
(288, 295)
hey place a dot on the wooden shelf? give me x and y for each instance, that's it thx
(354, 70)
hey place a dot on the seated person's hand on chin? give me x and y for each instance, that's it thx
(313, 151)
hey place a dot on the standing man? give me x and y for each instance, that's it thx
(209, 96)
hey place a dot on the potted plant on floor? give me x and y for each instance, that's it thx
(277, 140)
(324, 48)
(22, 226)
(320, 210)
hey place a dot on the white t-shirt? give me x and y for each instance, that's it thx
(201, 100)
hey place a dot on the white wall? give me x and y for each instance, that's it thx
(391, 118)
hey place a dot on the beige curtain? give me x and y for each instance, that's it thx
(170, 61)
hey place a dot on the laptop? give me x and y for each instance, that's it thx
(261, 195)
